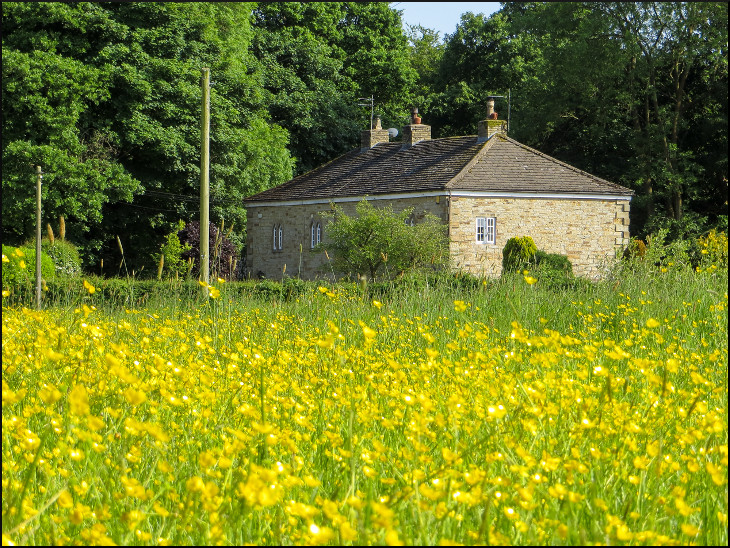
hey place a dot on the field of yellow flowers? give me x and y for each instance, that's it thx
(492, 418)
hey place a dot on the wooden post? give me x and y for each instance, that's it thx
(204, 180)
(39, 174)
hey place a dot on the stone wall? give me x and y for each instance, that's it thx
(587, 231)
(296, 220)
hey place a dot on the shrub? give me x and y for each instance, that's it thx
(635, 250)
(518, 253)
(378, 240)
(224, 261)
(713, 249)
(65, 256)
(18, 271)
(553, 270)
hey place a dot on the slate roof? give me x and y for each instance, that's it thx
(500, 164)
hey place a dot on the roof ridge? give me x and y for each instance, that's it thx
(470, 164)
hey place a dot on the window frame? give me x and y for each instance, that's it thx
(278, 237)
(315, 234)
(485, 230)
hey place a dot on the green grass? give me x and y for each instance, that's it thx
(321, 413)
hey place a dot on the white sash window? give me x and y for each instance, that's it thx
(486, 230)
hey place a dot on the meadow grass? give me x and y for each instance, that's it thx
(509, 414)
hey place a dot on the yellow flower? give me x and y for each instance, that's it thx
(652, 323)
(459, 306)
(530, 280)
(213, 292)
(65, 499)
(90, 288)
(22, 264)
(134, 397)
(377, 304)
(5, 259)
(79, 401)
(369, 333)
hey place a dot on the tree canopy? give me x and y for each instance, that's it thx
(106, 97)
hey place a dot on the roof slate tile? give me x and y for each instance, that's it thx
(500, 164)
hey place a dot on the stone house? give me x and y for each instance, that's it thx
(486, 188)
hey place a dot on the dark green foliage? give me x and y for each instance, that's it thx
(518, 253)
(635, 250)
(317, 59)
(286, 290)
(106, 97)
(378, 242)
(553, 261)
(420, 280)
(65, 256)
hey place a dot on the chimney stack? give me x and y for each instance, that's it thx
(491, 125)
(371, 137)
(416, 131)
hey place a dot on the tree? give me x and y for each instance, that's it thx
(633, 92)
(426, 51)
(378, 239)
(106, 97)
(317, 59)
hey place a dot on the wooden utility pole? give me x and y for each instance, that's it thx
(204, 179)
(39, 174)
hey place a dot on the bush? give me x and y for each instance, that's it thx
(635, 250)
(224, 261)
(518, 253)
(173, 251)
(378, 241)
(553, 270)
(713, 249)
(18, 271)
(65, 256)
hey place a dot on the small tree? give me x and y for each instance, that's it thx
(173, 250)
(378, 239)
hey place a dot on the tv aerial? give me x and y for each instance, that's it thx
(368, 102)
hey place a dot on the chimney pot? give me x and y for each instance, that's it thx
(415, 132)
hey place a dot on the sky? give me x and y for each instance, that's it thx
(441, 16)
